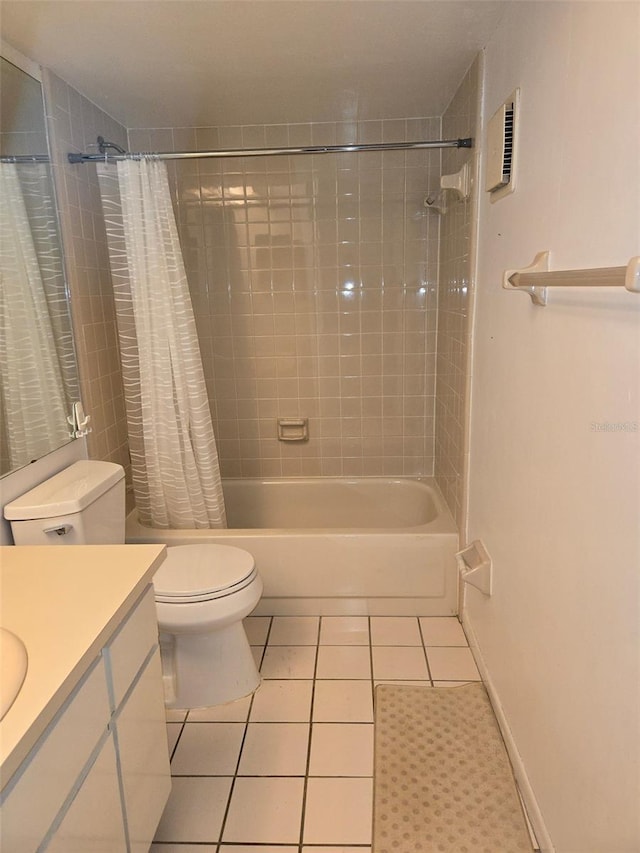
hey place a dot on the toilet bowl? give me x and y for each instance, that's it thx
(203, 592)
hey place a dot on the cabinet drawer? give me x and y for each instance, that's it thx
(54, 765)
(94, 820)
(127, 651)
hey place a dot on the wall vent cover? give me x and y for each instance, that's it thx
(501, 129)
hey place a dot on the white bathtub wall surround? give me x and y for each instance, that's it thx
(334, 546)
(313, 282)
(456, 284)
(555, 455)
(73, 123)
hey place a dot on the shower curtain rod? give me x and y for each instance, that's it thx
(25, 158)
(263, 152)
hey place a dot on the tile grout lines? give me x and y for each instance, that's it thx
(334, 710)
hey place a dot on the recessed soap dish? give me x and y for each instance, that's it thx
(293, 429)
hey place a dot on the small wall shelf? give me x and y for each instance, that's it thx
(536, 278)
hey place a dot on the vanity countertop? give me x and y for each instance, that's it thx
(63, 602)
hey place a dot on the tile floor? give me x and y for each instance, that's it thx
(290, 768)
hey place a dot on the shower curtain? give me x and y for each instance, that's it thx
(176, 475)
(34, 408)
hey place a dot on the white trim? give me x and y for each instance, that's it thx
(532, 810)
(23, 62)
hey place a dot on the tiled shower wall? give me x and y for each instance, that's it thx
(455, 303)
(313, 280)
(74, 123)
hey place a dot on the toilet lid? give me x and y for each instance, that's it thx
(202, 572)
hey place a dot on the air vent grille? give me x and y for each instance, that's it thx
(507, 155)
(502, 132)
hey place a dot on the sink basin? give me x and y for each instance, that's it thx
(13, 668)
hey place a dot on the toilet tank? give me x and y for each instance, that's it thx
(82, 505)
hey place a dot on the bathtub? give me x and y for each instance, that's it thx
(325, 546)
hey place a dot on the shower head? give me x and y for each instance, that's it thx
(103, 145)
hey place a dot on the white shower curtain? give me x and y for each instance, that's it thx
(176, 474)
(33, 399)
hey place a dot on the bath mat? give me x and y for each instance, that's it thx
(442, 778)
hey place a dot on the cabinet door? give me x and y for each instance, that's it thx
(144, 756)
(49, 774)
(93, 821)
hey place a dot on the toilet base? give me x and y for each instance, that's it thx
(201, 670)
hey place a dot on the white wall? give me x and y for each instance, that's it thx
(555, 501)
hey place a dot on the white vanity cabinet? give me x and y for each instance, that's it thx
(98, 778)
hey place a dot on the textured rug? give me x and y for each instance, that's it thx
(442, 780)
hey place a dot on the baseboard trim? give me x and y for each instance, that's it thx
(532, 810)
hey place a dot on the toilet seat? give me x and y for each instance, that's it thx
(193, 573)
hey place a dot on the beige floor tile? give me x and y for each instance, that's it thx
(256, 848)
(294, 631)
(195, 810)
(399, 663)
(275, 749)
(208, 749)
(173, 733)
(316, 849)
(452, 664)
(344, 631)
(288, 662)
(343, 701)
(256, 629)
(265, 811)
(287, 701)
(442, 631)
(338, 811)
(231, 712)
(343, 662)
(395, 631)
(175, 716)
(341, 749)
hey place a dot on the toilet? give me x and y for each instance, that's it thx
(203, 592)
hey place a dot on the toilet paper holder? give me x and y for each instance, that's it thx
(475, 566)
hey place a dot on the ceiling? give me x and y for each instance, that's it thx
(162, 63)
